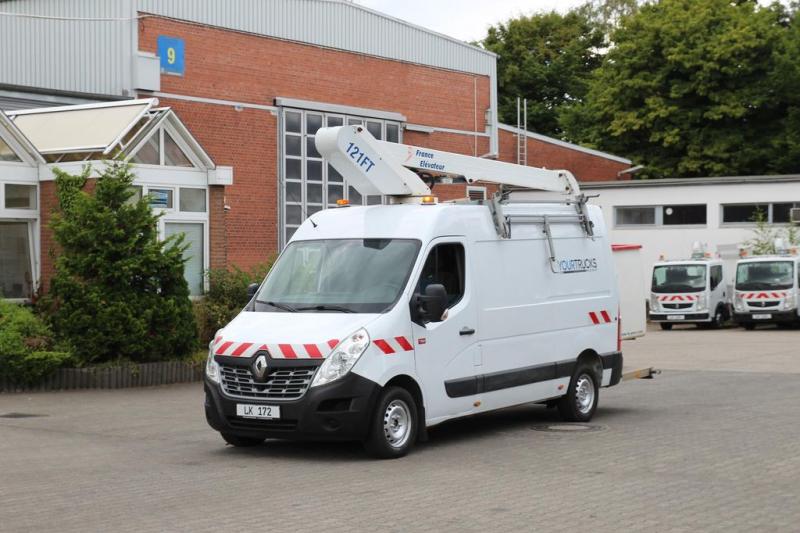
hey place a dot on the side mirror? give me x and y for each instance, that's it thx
(252, 289)
(432, 305)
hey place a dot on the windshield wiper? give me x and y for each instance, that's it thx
(326, 308)
(278, 305)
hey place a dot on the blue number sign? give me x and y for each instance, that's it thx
(170, 50)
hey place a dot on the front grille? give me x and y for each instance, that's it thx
(763, 305)
(677, 306)
(281, 384)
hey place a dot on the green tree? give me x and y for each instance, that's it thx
(118, 291)
(546, 58)
(696, 87)
(608, 14)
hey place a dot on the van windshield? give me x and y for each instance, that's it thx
(679, 278)
(764, 275)
(338, 275)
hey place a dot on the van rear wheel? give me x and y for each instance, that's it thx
(580, 402)
(394, 425)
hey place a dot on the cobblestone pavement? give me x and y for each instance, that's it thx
(692, 450)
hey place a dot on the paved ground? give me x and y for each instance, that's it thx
(694, 450)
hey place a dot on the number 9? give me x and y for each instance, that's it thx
(170, 55)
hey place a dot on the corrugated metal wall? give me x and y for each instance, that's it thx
(67, 55)
(330, 23)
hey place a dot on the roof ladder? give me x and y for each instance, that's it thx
(522, 132)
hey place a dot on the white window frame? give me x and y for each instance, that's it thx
(32, 219)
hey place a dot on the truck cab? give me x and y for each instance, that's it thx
(689, 292)
(766, 291)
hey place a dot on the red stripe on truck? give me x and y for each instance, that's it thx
(594, 318)
(384, 346)
(605, 316)
(312, 351)
(287, 351)
(241, 349)
(404, 344)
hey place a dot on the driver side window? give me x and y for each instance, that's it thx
(445, 266)
(716, 276)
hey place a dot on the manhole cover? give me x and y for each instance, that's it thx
(567, 428)
(19, 415)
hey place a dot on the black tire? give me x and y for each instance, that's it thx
(719, 319)
(749, 326)
(395, 409)
(569, 404)
(666, 326)
(241, 442)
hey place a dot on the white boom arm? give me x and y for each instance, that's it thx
(378, 167)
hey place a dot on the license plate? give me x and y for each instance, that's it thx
(676, 317)
(264, 412)
(762, 316)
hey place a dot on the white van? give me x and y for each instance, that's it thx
(376, 323)
(767, 291)
(691, 292)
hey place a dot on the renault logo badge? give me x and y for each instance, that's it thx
(259, 368)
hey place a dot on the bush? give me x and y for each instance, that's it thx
(227, 296)
(118, 291)
(27, 349)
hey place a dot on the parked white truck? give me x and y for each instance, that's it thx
(376, 323)
(690, 291)
(767, 290)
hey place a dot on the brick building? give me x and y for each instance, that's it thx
(252, 81)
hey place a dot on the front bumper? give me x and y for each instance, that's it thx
(782, 317)
(687, 317)
(340, 410)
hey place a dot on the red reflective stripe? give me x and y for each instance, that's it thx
(225, 346)
(332, 343)
(384, 346)
(594, 318)
(404, 344)
(312, 350)
(776, 295)
(287, 351)
(763, 295)
(605, 316)
(241, 349)
(263, 347)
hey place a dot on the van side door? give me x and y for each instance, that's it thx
(718, 292)
(445, 348)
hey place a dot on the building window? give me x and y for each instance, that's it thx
(160, 198)
(774, 213)
(16, 268)
(6, 153)
(635, 216)
(162, 148)
(20, 196)
(194, 269)
(476, 193)
(682, 215)
(661, 215)
(309, 183)
(781, 212)
(192, 200)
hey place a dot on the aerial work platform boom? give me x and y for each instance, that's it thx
(400, 171)
(379, 167)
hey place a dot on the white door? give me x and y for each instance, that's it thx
(446, 351)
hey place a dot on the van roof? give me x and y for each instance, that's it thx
(415, 221)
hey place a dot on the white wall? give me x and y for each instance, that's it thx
(675, 242)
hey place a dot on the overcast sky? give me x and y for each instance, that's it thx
(467, 20)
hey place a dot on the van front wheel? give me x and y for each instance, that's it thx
(580, 402)
(394, 425)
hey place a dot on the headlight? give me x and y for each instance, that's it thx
(342, 359)
(702, 302)
(654, 305)
(788, 302)
(738, 303)
(212, 367)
